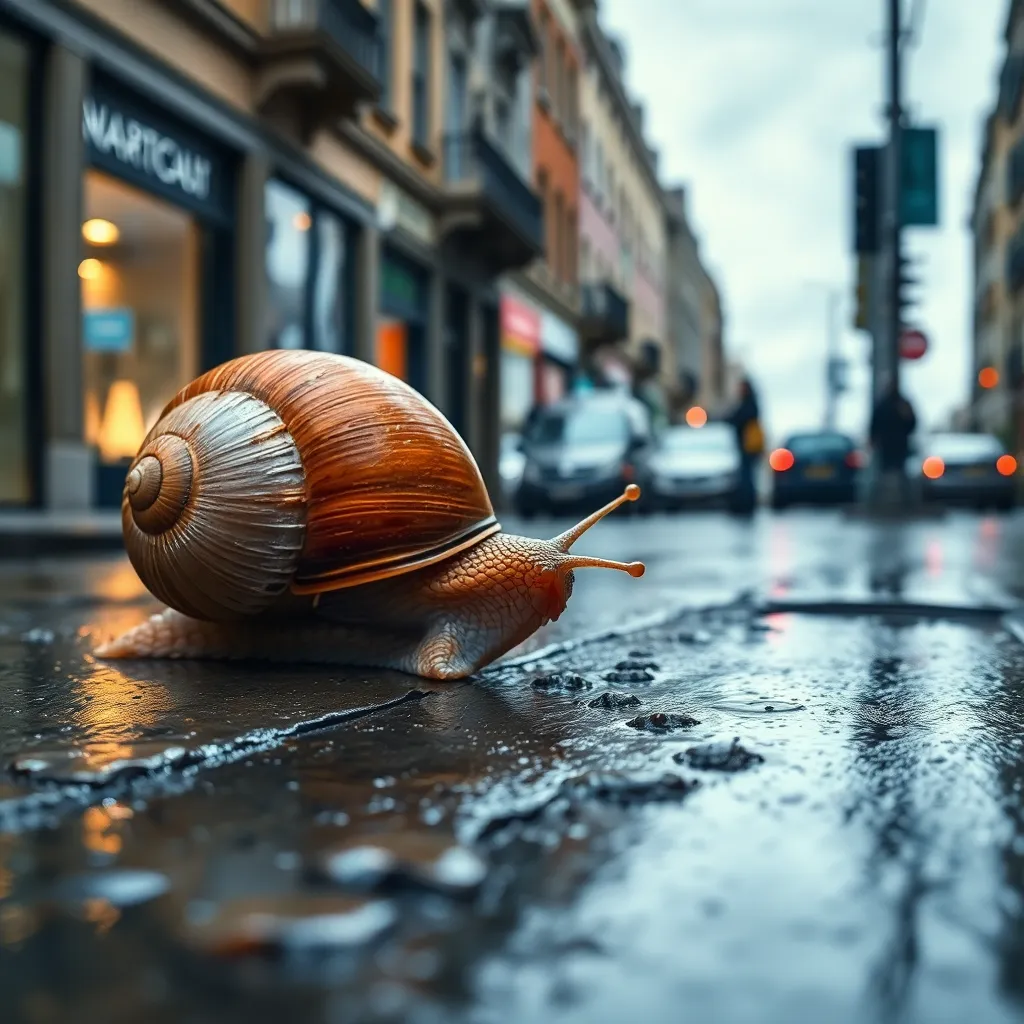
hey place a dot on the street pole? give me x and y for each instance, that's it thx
(831, 357)
(891, 221)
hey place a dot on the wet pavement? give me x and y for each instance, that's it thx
(779, 778)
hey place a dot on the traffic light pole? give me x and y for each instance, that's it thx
(892, 220)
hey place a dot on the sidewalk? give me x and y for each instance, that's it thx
(38, 533)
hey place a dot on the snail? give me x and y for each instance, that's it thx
(303, 506)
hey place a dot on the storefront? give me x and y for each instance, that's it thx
(18, 370)
(559, 353)
(156, 269)
(520, 324)
(404, 313)
(310, 265)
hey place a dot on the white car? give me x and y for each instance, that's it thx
(693, 465)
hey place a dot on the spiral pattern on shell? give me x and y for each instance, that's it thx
(214, 506)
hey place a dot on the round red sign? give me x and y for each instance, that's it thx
(913, 344)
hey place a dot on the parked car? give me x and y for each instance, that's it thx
(511, 461)
(966, 469)
(815, 467)
(692, 465)
(581, 452)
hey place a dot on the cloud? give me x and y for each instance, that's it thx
(756, 103)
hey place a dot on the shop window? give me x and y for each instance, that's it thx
(309, 270)
(384, 20)
(421, 77)
(14, 458)
(140, 300)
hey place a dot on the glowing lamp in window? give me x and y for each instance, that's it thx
(122, 428)
(98, 231)
(90, 269)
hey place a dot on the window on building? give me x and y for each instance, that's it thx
(421, 75)
(558, 260)
(14, 185)
(572, 87)
(544, 66)
(542, 192)
(384, 13)
(140, 300)
(559, 97)
(503, 122)
(309, 273)
(584, 153)
(571, 238)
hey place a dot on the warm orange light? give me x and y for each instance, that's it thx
(781, 459)
(98, 231)
(696, 416)
(90, 269)
(302, 221)
(933, 467)
(122, 428)
(988, 377)
(1007, 465)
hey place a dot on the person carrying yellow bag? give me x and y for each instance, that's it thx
(746, 420)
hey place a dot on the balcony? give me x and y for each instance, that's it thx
(319, 60)
(604, 315)
(488, 209)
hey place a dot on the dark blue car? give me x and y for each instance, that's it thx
(819, 468)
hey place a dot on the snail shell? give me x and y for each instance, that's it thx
(295, 470)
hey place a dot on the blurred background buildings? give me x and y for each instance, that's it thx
(460, 191)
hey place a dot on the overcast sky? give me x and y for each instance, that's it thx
(754, 105)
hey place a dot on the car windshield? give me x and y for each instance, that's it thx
(586, 424)
(964, 446)
(819, 446)
(712, 438)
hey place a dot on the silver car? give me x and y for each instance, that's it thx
(693, 465)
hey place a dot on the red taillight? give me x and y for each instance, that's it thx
(933, 467)
(781, 459)
(855, 459)
(1007, 465)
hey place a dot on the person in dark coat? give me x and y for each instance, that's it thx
(893, 421)
(746, 421)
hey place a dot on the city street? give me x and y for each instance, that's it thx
(776, 779)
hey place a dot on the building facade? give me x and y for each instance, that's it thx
(623, 228)
(540, 303)
(694, 319)
(997, 225)
(182, 182)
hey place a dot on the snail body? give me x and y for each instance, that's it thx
(303, 506)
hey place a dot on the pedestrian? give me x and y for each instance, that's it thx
(893, 421)
(746, 421)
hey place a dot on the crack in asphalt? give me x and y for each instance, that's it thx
(171, 770)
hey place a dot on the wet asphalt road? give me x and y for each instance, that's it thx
(779, 778)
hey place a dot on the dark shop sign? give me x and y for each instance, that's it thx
(127, 138)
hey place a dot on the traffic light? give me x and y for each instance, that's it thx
(862, 300)
(867, 165)
(906, 279)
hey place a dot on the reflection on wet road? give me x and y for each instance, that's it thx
(724, 815)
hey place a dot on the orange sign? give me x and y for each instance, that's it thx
(391, 347)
